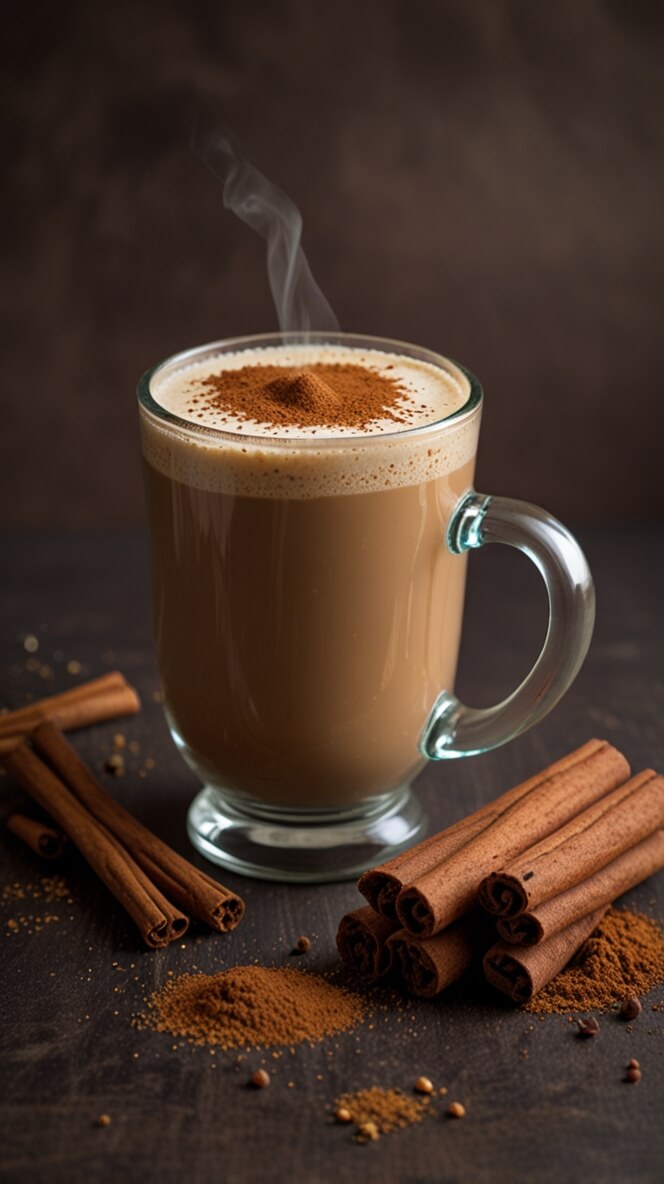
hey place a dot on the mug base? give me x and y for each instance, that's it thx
(295, 846)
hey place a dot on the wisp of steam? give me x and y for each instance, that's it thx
(300, 304)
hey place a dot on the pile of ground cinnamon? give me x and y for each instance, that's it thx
(325, 394)
(385, 1110)
(252, 1007)
(623, 957)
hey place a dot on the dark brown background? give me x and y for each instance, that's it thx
(483, 178)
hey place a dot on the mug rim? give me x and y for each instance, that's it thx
(385, 344)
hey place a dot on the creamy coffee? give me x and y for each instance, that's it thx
(307, 609)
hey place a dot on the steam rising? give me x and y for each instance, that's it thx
(267, 209)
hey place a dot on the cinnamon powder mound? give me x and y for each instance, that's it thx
(325, 394)
(303, 391)
(252, 1006)
(623, 957)
(388, 1109)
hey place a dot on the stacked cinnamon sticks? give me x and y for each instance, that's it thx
(545, 860)
(159, 889)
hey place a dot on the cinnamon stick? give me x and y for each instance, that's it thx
(197, 894)
(44, 840)
(430, 964)
(583, 846)
(362, 942)
(108, 697)
(623, 873)
(157, 920)
(524, 816)
(521, 972)
(382, 885)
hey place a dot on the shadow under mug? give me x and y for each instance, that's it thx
(308, 597)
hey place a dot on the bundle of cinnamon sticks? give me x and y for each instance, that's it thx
(159, 889)
(542, 863)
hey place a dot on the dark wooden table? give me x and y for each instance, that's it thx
(542, 1105)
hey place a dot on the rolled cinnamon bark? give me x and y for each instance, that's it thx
(102, 706)
(521, 972)
(382, 885)
(108, 697)
(573, 853)
(44, 840)
(194, 891)
(156, 918)
(524, 817)
(362, 942)
(623, 873)
(430, 964)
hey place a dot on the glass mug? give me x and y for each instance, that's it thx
(308, 600)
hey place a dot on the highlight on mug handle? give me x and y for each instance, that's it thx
(454, 730)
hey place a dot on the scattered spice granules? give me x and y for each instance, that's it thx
(252, 1007)
(387, 1109)
(456, 1110)
(47, 889)
(623, 957)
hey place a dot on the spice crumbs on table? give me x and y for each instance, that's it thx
(442, 1091)
(386, 1109)
(588, 1027)
(115, 764)
(632, 1076)
(456, 1110)
(367, 1132)
(343, 1114)
(302, 945)
(423, 1086)
(260, 1079)
(633, 1064)
(103, 1120)
(630, 1008)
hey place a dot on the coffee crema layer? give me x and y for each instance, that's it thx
(351, 454)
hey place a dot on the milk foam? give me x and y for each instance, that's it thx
(430, 393)
(325, 461)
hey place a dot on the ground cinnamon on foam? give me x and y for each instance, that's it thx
(325, 394)
(623, 957)
(252, 1007)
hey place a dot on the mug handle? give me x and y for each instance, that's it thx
(454, 730)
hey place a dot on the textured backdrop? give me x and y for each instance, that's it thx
(482, 178)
